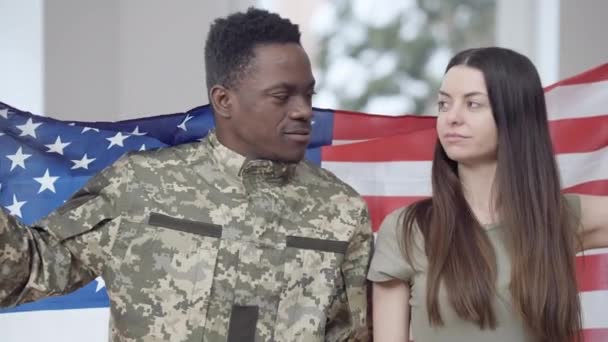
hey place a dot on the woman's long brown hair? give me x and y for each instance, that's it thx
(539, 229)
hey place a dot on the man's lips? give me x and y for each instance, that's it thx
(299, 135)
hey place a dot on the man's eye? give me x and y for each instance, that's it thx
(281, 97)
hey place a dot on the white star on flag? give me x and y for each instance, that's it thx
(82, 163)
(18, 159)
(183, 124)
(137, 132)
(86, 129)
(58, 146)
(117, 140)
(15, 208)
(46, 182)
(100, 284)
(4, 113)
(29, 128)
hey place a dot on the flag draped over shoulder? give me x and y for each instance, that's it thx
(386, 159)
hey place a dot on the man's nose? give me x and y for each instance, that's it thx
(302, 111)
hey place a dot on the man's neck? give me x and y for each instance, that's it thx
(225, 138)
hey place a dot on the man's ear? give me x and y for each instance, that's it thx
(221, 100)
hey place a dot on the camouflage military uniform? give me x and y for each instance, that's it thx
(195, 243)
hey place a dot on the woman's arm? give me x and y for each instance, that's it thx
(594, 221)
(391, 311)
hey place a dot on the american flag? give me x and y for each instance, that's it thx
(387, 159)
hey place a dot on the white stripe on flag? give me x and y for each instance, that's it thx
(577, 101)
(594, 252)
(577, 168)
(346, 142)
(411, 178)
(594, 309)
(77, 325)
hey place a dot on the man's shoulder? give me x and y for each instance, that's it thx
(163, 157)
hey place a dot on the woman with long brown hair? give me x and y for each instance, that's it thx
(491, 255)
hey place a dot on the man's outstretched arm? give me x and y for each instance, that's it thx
(54, 256)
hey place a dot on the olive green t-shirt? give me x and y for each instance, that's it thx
(389, 263)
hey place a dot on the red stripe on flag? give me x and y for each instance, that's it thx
(416, 146)
(592, 272)
(595, 335)
(361, 126)
(580, 135)
(594, 75)
(599, 187)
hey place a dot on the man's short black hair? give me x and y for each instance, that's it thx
(231, 41)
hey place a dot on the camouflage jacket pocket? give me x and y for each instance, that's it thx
(313, 278)
(314, 262)
(186, 246)
(165, 275)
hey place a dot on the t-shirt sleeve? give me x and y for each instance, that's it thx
(574, 203)
(388, 261)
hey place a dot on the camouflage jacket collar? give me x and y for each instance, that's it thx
(239, 167)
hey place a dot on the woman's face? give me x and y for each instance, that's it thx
(465, 126)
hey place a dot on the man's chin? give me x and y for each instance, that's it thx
(290, 158)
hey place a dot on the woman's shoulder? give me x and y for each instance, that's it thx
(390, 259)
(400, 222)
(397, 218)
(573, 203)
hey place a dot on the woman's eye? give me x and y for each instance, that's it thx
(442, 106)
(474, 105)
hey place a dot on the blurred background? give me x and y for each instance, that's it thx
(116, 59)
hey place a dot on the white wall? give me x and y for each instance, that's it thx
(561, 37)
(115, 59)
(21, 66)
(81, 59)
(532, 27)
(106, 60)
(161, 53)
(583, 35)
(300, 13)
(112, 59)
